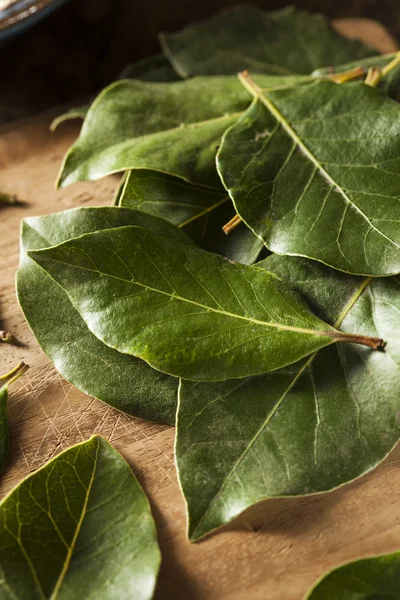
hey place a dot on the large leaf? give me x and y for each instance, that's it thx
(170, 127)
(375, 578)
(300, 430)
(315, 171)
(80, 527)
(200, 212)
(185, 311)
(284, 42)
(119, 380)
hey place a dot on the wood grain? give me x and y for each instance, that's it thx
(275, 550)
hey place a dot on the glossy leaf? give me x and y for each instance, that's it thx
(375, 578)
(284, 42)
(198, 211)
(80, 527)
(314, 171)
(174, 128)
(304, 429)
(124, 382)
(185, 311)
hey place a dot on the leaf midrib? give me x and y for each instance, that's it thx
(354, 298)
(330, 334)
(77, 531)
(259, 94)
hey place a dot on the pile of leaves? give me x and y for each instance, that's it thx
(244, 286)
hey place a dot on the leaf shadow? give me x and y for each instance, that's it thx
(298, 515)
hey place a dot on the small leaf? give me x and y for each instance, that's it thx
(79, 527)
(174, 128)
(126, 383)
(284, 42)
(198, 211)
(375, 578)
(304, 429)
(314, 171)
(185, 311)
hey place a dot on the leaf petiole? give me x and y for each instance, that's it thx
(392, 65)
(12, 200)
(15, 373)
(373, 77)
(347, 75)
(7, 338)
(232, 224)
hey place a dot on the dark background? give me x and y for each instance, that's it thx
(86, 43)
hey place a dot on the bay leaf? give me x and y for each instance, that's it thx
(200, 212)
(152, 68)
(314, 171)
(125, 383)
(374, 578)
(186, 312)
(283, 42)
(173, 127)
(79, 527)
(304, 429)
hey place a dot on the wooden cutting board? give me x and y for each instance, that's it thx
(275, 550)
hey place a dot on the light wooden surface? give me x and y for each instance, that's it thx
(274, 551)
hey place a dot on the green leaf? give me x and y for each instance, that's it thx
(174, 128)
(78, 112)
(200, 212)
(152, 68)
(80, 527)
(314, 171)
(124, 382)
(284, 42)
(185, 311)
(375, 578)
(304, 429)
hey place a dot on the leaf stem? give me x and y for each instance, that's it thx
(392, 65)
(363, 340)
(15, 373)
(7, 338)
(203, 212)
(8, 199)
(374, 76)
(347, 75)
(232, 224)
